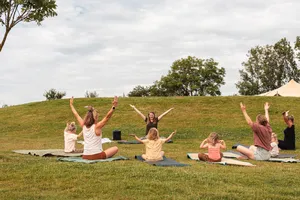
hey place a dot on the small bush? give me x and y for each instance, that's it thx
(91, 94)
(52, 94)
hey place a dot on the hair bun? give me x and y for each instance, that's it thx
(90, 108)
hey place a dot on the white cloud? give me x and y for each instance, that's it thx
(112, 46)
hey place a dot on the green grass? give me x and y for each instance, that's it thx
(40, 125)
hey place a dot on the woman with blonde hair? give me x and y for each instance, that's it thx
(153, 144)
(274, 144)
(92, 132)
(214, 146)
(70, 138)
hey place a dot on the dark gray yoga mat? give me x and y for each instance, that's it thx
(235, 154)
(47, 152)
(166, 162)
(80, 160)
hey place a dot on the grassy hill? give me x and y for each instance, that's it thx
(40, 125)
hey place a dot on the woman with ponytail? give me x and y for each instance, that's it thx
(92, 132)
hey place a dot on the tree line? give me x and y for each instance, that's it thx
(266, 68)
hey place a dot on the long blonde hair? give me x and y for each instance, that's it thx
(213, 138)
(153, 134)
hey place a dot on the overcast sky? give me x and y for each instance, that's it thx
(111, 46)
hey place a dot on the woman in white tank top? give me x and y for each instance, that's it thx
(92, 132)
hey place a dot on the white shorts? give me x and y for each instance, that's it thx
(261, 154)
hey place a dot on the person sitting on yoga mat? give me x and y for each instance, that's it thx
(274, 144)
(151, 120)
(288, 143)
(153, 145)
(70, 138)
(92, 132)
(214, 146)
(262, 132)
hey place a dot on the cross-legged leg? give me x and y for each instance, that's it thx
(110, 152)
(247, 152)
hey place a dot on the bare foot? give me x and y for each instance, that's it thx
(242, 158)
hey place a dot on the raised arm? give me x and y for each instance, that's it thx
(170, 136)
(139, 112)
(108, 115)
(161, 116)
(138, 139)
(80, 134)
(204, 144)
(223, 144)
(285, 117)
(248, 119)
(79, 119)
(267, 106)
(67, 126)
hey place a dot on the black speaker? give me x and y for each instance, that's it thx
(116, 135)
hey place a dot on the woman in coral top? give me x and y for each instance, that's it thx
(214, 146)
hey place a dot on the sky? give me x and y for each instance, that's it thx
(111, 46)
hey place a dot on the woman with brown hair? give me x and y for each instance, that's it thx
(92, 132)
(262, 133)
(289, 141)
(151, 120)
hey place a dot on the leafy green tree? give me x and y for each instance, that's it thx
(91, 94)
(13, 12)
(52, 94)
(189, 76)
(268, 67)
(157, 90)
(192, 76)
(297, 47)
(139, 91)
(4, 106)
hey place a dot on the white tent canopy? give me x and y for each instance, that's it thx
(291, 89)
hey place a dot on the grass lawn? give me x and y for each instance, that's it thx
(40, 125)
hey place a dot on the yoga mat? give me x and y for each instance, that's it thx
(285, 156)
(236, 154)
(80, 160)
(166, 162)
(285, 160)
(224, 161)
(47, 152)
(135, 142)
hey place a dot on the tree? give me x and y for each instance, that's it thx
(91, 94)
(4, 106)
(189, 76)
(297, 47)
(268, 67)
(139, 91)
(192, 76)
(52, 94)
(13, 12)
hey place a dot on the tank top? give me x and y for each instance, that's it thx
(92, 142)
(214, 153)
